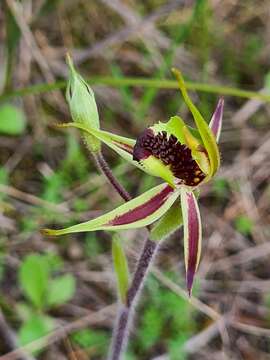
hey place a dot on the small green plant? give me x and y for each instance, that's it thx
(43, 291)
(244, 224)
(167, 319)
(182, 156)
(221, 187)
(94, 342)
(12, 121)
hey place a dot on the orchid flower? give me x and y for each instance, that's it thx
(183, 157)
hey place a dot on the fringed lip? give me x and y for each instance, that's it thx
(171, 153)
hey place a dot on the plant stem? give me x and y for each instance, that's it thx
(143, 82)
(105, 169)
(126, 311)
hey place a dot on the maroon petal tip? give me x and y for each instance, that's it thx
(189, 281)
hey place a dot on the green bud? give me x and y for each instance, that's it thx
(82, 104)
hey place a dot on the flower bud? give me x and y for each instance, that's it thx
(82, 104)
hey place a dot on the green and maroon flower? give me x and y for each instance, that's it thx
(184, 158)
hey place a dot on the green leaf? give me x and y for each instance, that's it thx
(24, 311)
(120, 267)
(35, 328)
(13, 34)
(34, 279)
(221, 187)
(168, 224)
(176, 347)
(207, 135)
(136, 213)
(61, 290)
(152, 326)
(96, 340)
(12, 120)
(244, 225)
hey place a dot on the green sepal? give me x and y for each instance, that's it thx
(121, 267)
(168, 224)
(157, 201)
(121, 145)
(207, 136)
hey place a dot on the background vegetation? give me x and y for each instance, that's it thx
(66, 287)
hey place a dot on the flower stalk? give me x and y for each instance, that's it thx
(103, 166)
(126, 310)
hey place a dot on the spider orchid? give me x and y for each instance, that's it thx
(183, 157)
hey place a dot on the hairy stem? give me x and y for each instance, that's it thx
(105, 169)
(126, 311)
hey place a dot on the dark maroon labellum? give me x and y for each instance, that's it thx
(171, 152)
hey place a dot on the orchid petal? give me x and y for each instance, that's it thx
(192, 234)
(136, 213)
(216, 120)
(207, 136)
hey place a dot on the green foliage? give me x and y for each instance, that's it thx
(244, 224)
(34, 279)
(53, 188)
(221, 187)
(267, 81)
(175, 346)
(92, 245)
(12, 120)
(3, 176)
(13, 35)
(165, 318)
(43, 291)
(95, 340)
(61, 290)
(252, 48)
(152, 325)
(125, 92)
(4, 179)
(34, 328)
